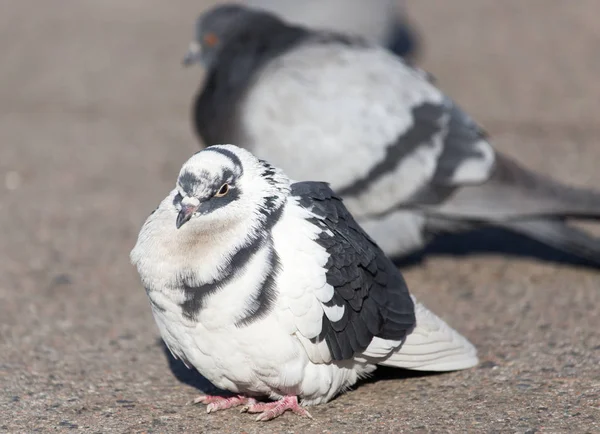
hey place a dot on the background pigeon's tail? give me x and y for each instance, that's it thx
(433, 346)
(522, 201)
(556, 233)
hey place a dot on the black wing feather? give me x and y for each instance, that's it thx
(366, 283)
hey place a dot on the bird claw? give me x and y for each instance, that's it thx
(216, 403)
(271, 410)
(198, 400)
(205, 399)
(267, 410)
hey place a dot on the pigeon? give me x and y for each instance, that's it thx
(380, 21)
(409, 163)
(272, 291)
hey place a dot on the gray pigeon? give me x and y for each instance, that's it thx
(380, 21)
(407, 161)
(270, 289)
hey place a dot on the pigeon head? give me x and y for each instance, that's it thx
(218, 26)
(225, 185)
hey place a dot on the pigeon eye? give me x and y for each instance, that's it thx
(211, 39)
(223, 190)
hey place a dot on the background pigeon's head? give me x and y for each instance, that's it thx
(224, 185)
(217, 26)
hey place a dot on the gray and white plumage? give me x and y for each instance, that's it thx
(408, 162)
(380, 21)
(272, 289)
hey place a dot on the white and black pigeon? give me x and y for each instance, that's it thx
(408, 162)
(380, 21)
(270, 288)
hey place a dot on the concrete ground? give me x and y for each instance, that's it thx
(94, 125)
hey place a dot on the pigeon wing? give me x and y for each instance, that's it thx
(369, 297)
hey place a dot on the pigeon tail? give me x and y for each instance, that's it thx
(558, 234)
(522, 201)
(433, 346)
(514, 192)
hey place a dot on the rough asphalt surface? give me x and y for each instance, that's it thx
(94, 125)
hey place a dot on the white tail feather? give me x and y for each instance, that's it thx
(433, 346)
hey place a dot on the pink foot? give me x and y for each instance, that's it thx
(216, 403)
(270, 410)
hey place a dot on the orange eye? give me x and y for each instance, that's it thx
(210, 39)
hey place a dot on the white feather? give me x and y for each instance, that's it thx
(432, 346)
(325, 293)
(291, 234)
(477, 168)
(334, 313)
(396, 233)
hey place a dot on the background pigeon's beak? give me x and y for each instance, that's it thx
(186, 213)
(193, 55)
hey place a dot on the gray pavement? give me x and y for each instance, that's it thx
(94, 125)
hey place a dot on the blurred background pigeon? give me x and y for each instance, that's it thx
(380, 21)
(409, 163)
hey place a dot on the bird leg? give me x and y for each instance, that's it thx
(215, 403)
(270, 410)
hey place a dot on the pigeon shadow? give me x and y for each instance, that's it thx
(493, 241)
(384, 373)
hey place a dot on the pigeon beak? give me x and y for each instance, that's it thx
(186, 213)
(193, 55)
